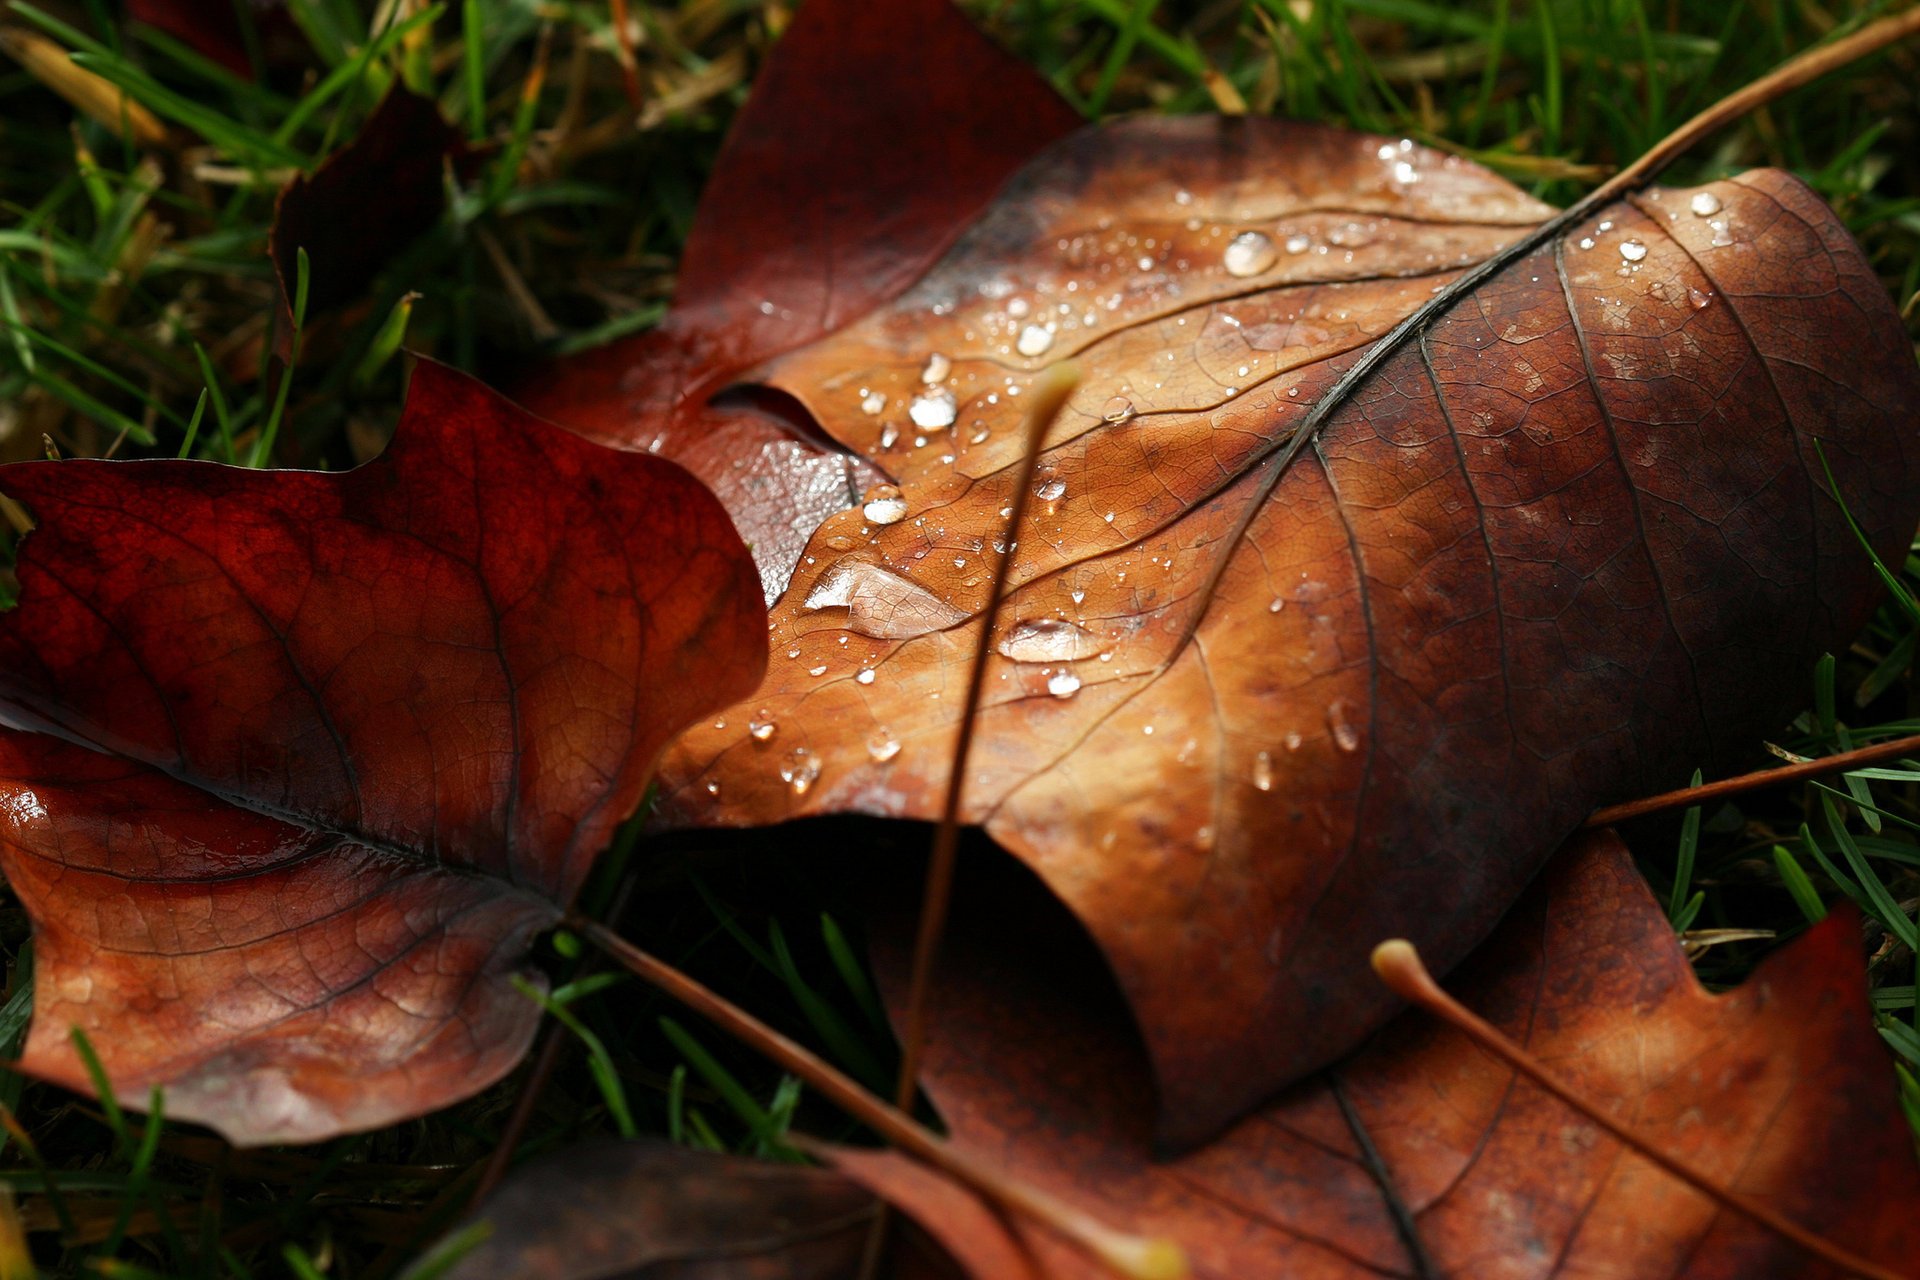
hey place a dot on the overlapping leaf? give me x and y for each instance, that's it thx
(1778, 1089)
(875, 133)
(322, 752)
(1245, 719)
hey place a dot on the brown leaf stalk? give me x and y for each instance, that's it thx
(1141, 1258)
(1050, 393)
(1399, 966)
(1687, 797)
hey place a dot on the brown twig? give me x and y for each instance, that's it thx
(1049, 393)
(1143, 1258)
(1687, 797)
(1400, 967)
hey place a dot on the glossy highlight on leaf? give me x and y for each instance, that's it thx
(299, 762)
(1245, 719)
(1778, 1088)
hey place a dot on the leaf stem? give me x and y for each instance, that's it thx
(1687, 797)
(1137, 1257)
(1050, 393)
(1400, 968)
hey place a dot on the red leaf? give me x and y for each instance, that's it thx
(875, 133)
(1780, 1088)
(337, 745)
(371, 199)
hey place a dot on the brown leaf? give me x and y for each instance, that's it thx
(331, 748)
(874, 135)
(1568, 541)
(1779, 1088)
(646, 1209)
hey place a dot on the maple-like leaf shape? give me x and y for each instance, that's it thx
(875, 134)
(331, 748)
(1567, 541)
(1780, 1089)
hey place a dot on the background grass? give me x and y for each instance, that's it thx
(134, 282)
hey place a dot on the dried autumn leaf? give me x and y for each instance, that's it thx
(332, 748)
(875, 133)
(372, 198)
(645, 1209)
(1248, 717)
(1778, 1088)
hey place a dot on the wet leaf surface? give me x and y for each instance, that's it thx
(1777, 1088)
(873, 137)
(1248, 719)
(320, 753)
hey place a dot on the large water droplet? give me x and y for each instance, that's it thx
(1048, 640)
(938, 367)
(1632, 250)
(1051, 490)
(883, 504)
(865, 676)
(1722, 232)
(1034, 340)
(1248, 254)
(934, 407)
(1346, 735)
(879, 602)
(1063, 684)
(800, 769)
(1704, 204)
(761, 727)
(1118, 409)
(873, 403)
(1699, 299)
(882, 746)
(1263, 771)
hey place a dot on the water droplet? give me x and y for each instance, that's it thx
(761, 728)
(879, 602)
(938, 367)
(1722, 232)
(1276, 605)
(1404, 172)
(873, 403)
(1034, 340)
(1051, 490)
(865, 676)
(1699, 299)
(1263, 771)
(1632, 250)
(1017, 308)
(1586, 242)
(1345, 735)
(1299, 243)
(1704, 204)
(882, 746)
(1048, 640)
(883, 504)
(1063, 684)
(1248, 254)
(713, 788)
(1292, 392)
(800, 770)
(889, 436)
(1293, 741)
(1118, 409)
(817, 671)
(934, 407)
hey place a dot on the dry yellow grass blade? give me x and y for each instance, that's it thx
(98, 98)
